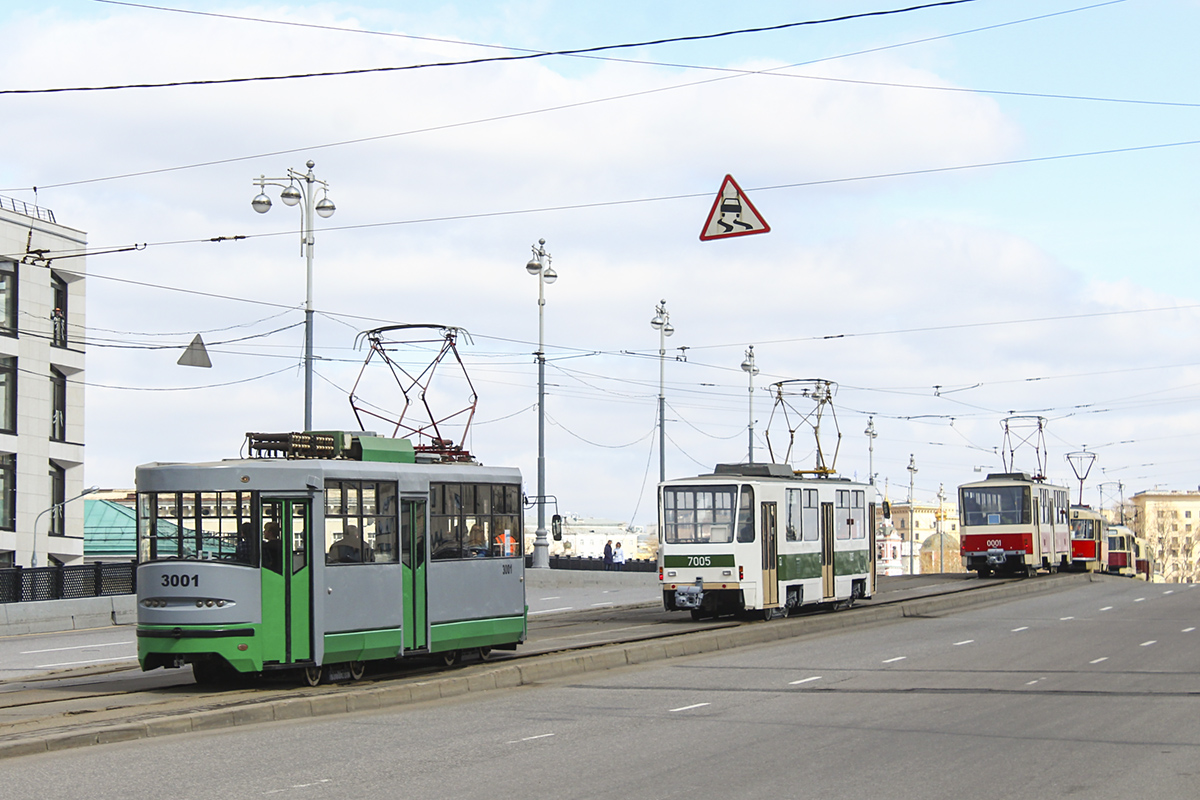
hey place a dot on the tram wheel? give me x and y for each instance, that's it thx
(485, 653)
(209, 672)
(984, 572)
(313, 675)
(450, 657)
(768, 614)
(697, 615)
(357, 669)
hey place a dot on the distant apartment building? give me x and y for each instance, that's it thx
(1169, 522)
(41, 387)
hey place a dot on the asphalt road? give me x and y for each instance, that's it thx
(1092, 691)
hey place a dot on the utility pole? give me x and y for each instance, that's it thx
(912, 531)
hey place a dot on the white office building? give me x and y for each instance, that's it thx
(41, 387)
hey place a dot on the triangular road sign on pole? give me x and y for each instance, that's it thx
(732, 214)
(194, 355)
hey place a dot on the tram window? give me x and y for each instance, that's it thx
(215, 526)
(745, 526)
(858, 513)
(698, 515)
(474, 521)
(995, 505)
(361, 520)
(802, 515)
(842, 525)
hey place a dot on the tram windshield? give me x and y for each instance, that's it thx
(1085, 528)
(698, 514)
(205, 526)
(995, 505)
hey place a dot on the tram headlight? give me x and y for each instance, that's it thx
(199, 604)
(220, 604)
(208, 603)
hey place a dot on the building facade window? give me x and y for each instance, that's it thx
(8, 491)
(58, 316)
(8, 394)
(58, 405)
(58, 500)
(8, 298)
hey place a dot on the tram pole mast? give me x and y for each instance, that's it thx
(662, 323)
(540, 265)
(324, 208)
(912, 531)
(749, 368)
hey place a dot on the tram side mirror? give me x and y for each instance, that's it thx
(556, 527)
(887, 510)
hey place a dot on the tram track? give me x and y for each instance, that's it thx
(107, 703)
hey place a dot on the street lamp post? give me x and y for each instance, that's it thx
(871, 434)
(662, 323)
(540, 265)
(941, 525)
(38, 519)
(291, 195)
(912, 531)
(751, 370)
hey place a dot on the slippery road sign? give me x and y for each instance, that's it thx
(732, 214)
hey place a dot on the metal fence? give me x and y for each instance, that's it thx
(26, 585)
(582, 563)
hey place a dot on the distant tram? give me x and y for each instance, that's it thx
(1124, 549)
(1014, 524)
(760, 539)
(324, 552)
(1089, 540)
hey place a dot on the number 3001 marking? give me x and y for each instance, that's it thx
(180, 580)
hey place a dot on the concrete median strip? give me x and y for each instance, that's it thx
(523, 672)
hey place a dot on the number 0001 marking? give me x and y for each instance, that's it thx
(995, 543)
(699, 561)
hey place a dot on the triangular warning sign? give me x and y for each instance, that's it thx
(195, 355)
(732, 214)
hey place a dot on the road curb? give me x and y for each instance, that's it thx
(339, 700)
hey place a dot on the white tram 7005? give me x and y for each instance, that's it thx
(759, 538)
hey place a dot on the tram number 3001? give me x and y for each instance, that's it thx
(180, 580)
(699, 561)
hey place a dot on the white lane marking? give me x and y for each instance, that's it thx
(1169, 591)
(1022, 628)
(1187, 630)
(1064, 619)
(894, 660)
(77, 647)
(299, 786)
(556, 597)
(1031, 683)
(531, 738)
(1147, 644)
(597, 605)
(964, 641)
(1098, 660)
(689, 708)
(551, 610)
(805, 680)
(81, 663)
(1139, 599)
(1107, 608)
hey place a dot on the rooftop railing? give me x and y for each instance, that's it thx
(28, 209)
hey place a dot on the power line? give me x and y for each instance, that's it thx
(490, 60)
(565, 106)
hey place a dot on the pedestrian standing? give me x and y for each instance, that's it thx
(608, 555)
(618, 558)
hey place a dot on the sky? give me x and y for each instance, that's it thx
(978, 211)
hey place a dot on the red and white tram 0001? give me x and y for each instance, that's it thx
(1014, 524)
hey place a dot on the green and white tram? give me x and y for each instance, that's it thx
(762, 539)
(323, 552)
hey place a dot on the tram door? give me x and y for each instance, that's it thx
(828, 584)
(770, 556)
(412, 556)
(286, 580)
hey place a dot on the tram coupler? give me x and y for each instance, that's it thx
(996, 557)
(690, 596)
